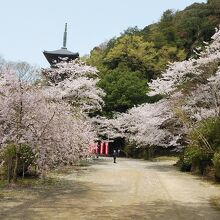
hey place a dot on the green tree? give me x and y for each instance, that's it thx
(215, 6)
(147, 52)
(97, 55)
(133, 52)
(123, 88)
(194, 25)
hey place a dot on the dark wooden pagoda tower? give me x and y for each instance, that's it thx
(62, 54)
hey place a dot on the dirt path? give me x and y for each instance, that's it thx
(130, 189)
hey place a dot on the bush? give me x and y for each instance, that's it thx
(184, 163)
(195, 159)
(8, 155)
(25, 159)
(204, 141)
(132, 150)
(208, 129)
(216, 163)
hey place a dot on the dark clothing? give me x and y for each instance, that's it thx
(114, 159)
(115, 154)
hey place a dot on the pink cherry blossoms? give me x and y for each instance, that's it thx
(179, 73)
(192, 93)
(76, 83)
(38, 115)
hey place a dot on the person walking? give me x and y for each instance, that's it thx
(115, 154)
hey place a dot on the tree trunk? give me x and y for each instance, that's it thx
(19, 132)
(23, 170)
(9, 172)
(15, 167)
(151, 153)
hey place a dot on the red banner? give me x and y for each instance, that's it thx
(101, 148)
(106, 148)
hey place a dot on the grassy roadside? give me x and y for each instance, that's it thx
(215, 202)
(33, 189)
(52, 177)
(165, 158)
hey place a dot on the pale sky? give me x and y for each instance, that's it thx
(30, 26)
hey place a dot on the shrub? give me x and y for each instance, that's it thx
(206, 131)
(216, 162)
(195, 159)
(185, 162)
(8, 155)
(204, 141)
(25, 159)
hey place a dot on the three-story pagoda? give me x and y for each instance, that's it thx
(62, 54)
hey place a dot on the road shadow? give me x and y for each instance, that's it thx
(81, 200)
(157, 210)
(23, 201)
(82, 208)
(161, 167)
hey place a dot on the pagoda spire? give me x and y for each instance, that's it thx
(65, 37)
(56, 56)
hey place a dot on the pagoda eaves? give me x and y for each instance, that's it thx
(62, 54)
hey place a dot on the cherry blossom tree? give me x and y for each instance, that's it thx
(197, 83)
(28, 115)
(204, 101)
(179, 73)
(191, 93)
(146, 125)
(75, 82)
(192, 87)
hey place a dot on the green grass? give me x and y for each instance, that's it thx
(34, 182)
(166, 158)
(215, 202)
(3, 184)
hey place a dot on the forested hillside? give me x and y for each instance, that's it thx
(173, 67)
(129, 62)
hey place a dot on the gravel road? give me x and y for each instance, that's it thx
(129, 189)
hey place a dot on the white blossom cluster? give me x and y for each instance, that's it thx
(34, 115)
(108, 128)
(142, 125)
(164, 123)
(181, 72)
(204, 101)
(75, 82)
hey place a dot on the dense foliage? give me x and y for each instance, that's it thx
(146, 53)
(124, 89)
(186, 117)
(175, 59)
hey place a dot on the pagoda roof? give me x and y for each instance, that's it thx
(60, 55)
(62, 51)
(56, 56)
